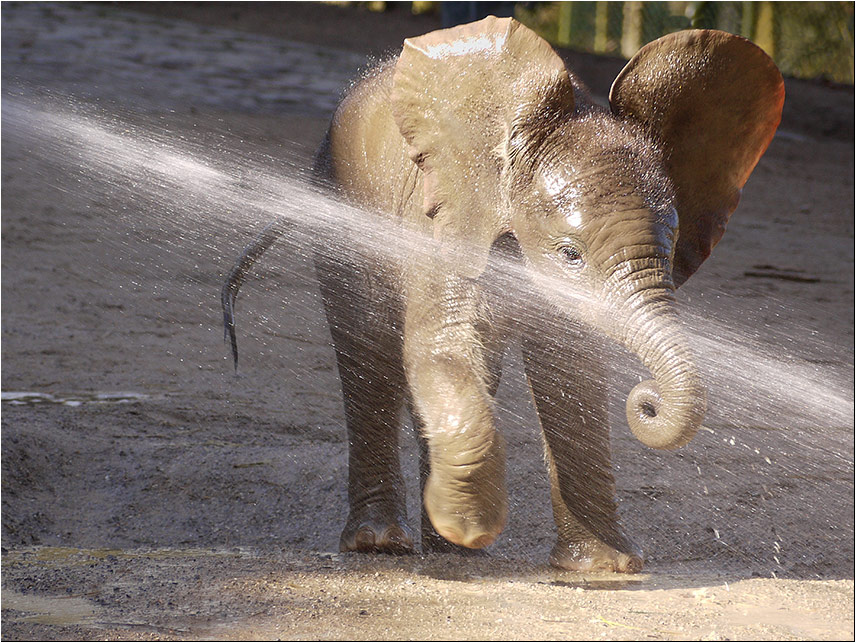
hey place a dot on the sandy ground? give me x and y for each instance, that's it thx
(148, 493)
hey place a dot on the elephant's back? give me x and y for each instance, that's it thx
(366, 156)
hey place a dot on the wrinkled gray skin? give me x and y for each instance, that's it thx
(477, 137)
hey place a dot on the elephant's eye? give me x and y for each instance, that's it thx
(572, 256)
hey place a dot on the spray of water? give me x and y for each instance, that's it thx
(754, 380)
(241, 192)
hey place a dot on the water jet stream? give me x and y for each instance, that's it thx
(234, 192)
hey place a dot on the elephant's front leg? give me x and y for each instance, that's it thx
(450, 360)
(567, 378)
(368, 351)
(493, 345)
(377, 517)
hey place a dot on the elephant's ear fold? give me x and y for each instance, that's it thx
(455, 95)
(715, 100)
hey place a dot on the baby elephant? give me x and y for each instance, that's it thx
(478, 141)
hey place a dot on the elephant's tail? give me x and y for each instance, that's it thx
(271, 232)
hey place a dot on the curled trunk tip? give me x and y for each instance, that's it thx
(665, 424)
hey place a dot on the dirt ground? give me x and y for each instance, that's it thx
(149, 493)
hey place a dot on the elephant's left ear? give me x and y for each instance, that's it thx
(457, 94)
(715, 101)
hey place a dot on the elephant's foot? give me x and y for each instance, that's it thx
(377, 535)
(434, 543)
(465, 497)
(469, 525)
(594, 555)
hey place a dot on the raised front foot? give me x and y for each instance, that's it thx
(434, 543)
(466, 501)
(594, 555)
(376, 535)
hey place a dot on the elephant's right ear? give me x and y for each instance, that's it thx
(456, 94)
(715, 101)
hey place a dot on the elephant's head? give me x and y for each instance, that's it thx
(623, 205)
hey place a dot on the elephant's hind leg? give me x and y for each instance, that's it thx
(566, 376)
(368, 353)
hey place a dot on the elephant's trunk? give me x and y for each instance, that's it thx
(666, 412)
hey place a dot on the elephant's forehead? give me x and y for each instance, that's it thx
(604, 208)
(576, 186)
(610, 176)
(558, 183)
(562, 194)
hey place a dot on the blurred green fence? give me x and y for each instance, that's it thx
(806, 39)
